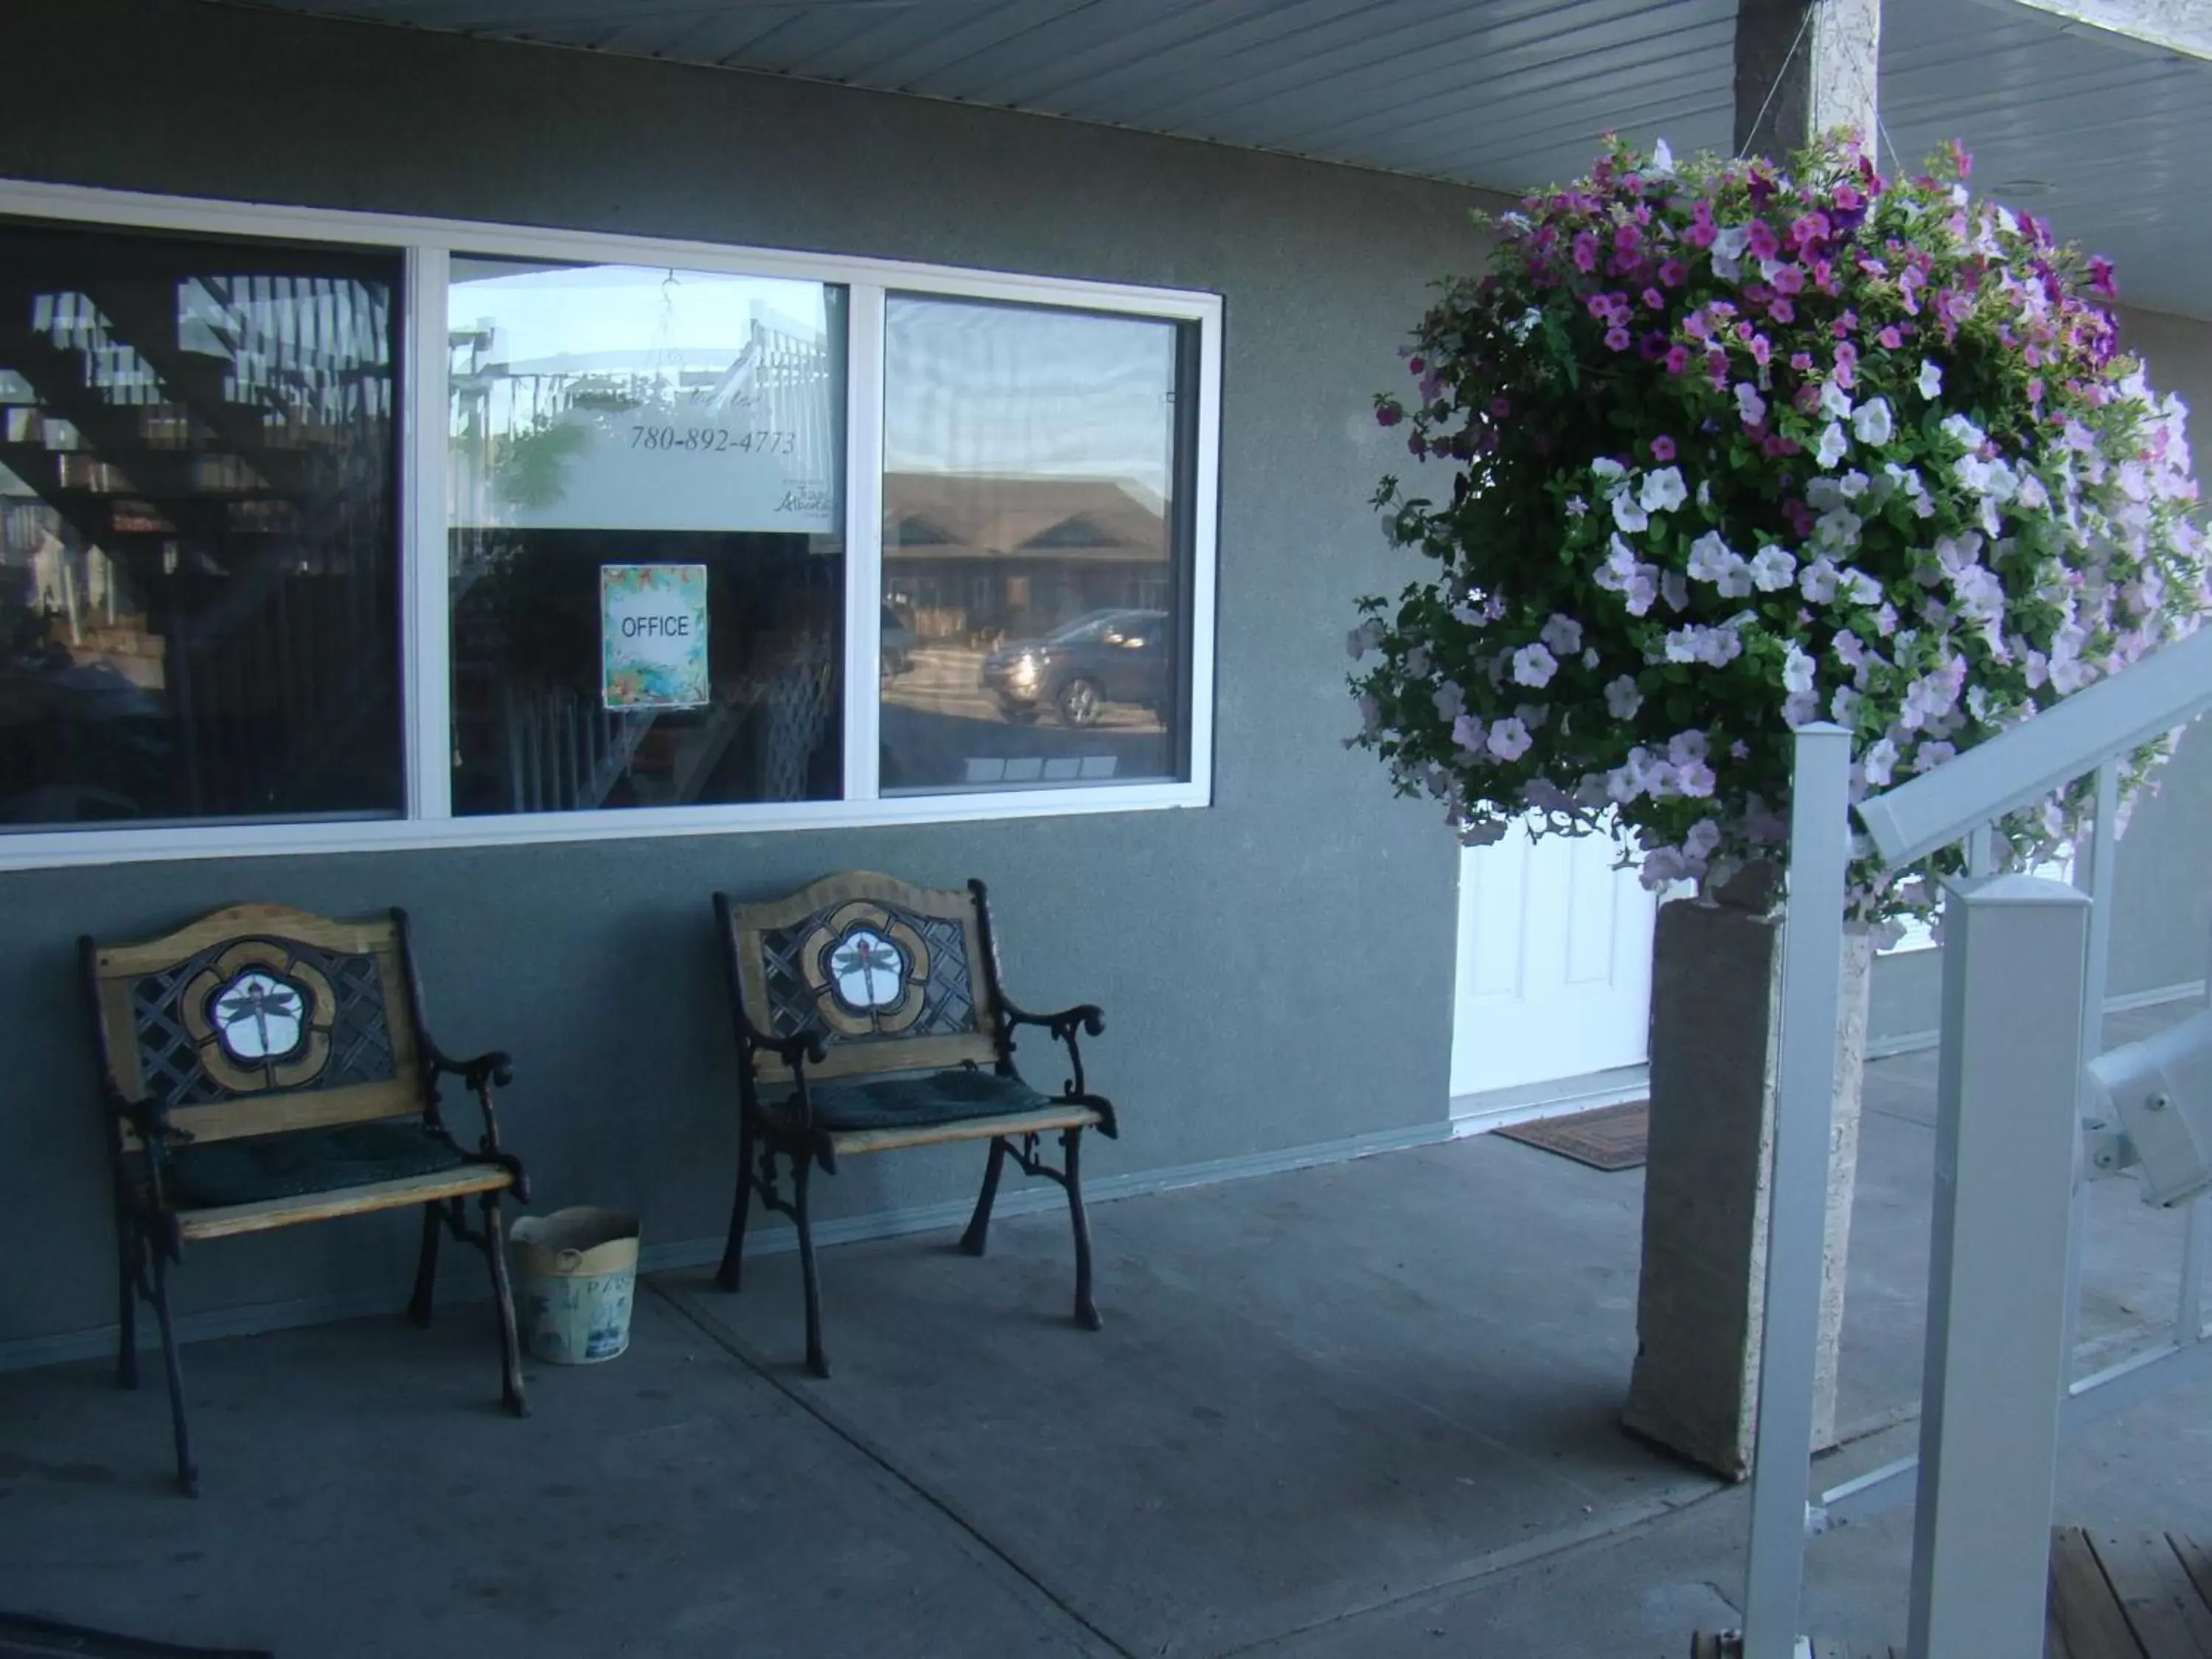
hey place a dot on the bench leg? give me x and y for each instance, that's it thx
(188, 1475)
(510, 1359)
(426, 1266)
(126, 1308)
(979, 1225)
(733, 1253)
(817, 1361)
(1086, 1311)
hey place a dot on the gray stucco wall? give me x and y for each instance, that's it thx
(2162, 885)
(1276, 969)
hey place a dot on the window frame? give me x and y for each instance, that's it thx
(428, 246)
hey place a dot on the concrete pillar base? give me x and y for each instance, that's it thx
(1716, 968)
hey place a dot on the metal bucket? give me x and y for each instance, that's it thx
(575, 1271)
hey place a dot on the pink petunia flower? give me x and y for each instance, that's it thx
(1678, 359)
(1585, 250)
(1662, 447)
(1617, 337)
(1764, 244)
(1891, 339)
(1673, 273)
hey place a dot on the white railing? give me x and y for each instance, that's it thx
(2023, 1004)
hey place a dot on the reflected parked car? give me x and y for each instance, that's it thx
(1106, 656)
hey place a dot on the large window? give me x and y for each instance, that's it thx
(323, 530)
(199, 551)
(648, 561)
(1036, 545)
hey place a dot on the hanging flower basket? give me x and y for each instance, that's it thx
(1719, 450)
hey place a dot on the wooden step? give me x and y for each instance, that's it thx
(2113, 1595)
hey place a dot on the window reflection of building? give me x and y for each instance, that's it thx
(982, 559)
(198, 561)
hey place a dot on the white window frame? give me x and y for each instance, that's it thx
(429, 245)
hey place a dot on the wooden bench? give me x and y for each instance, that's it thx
(869, 1019)
(262, 1067)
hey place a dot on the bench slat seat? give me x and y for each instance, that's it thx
(919, 1099)
(212, 1175)
(363, 1199)
(1045, 1120)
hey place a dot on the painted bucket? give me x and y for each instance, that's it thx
(575, 1271)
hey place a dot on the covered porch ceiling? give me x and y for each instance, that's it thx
(2104, 134)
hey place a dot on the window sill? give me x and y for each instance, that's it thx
(64, 848)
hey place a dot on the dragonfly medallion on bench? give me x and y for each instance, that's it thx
(870, 1017)
(262, 1068)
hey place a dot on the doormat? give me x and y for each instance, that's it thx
(25, 1638)
(1611, 1137)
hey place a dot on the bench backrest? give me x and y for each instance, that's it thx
(894, 977)
(260, 1018)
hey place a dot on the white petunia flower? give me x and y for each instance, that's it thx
(1562, 635)
(1871, 421)
(1533, 665)
(1622, 699)
(1509, 740)
(1796, 669)
(1772, 569)
(1930, 382)
(1664, 490)
(1835, 401)
(1964, 432)
(1832, 445)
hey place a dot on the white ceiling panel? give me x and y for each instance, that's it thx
(2106, 136)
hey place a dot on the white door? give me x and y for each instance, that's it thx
(1554, 962)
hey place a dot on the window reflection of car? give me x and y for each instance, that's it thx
(1107, 656)
(898, 645)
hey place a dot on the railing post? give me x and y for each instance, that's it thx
(1790, 1340)
(2103, 844)
(2006, 1142)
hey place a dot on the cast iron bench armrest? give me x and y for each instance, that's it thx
(1064, 1023)
(479, 1074)
(798, 1051)
(1087, 1015)
(809, 1047)
(479, 1071)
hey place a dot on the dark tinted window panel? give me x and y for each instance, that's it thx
(199, 552)
(1037, 548)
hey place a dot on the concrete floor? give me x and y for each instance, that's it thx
(1362, 1410)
